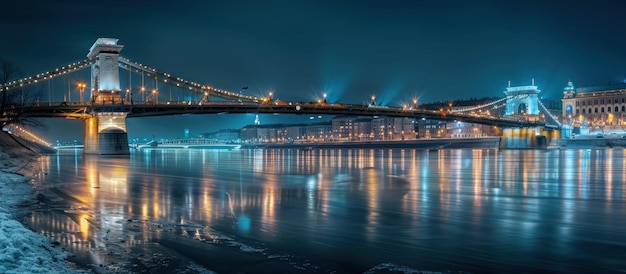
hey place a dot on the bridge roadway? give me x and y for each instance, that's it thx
(84, 110)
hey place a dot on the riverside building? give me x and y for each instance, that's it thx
(597, 108)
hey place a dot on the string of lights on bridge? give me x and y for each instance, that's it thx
(48, 75)
(207, 90)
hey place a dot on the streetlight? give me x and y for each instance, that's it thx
(129, 96)
(81, 87)
(324, 98)
(155, 97)
(373, 100)
(143, 93)
(268, 99)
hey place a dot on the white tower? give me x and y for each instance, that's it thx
(522, 100)
(105, 72)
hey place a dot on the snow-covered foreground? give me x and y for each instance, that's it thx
(21, 249)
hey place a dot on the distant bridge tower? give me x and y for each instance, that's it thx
(522, 101)
(105, 71)
(105, 130)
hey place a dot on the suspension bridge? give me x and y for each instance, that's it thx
(107, 105)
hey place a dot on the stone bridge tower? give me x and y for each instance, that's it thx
(105, 71)
(522, 102)
(105, 130)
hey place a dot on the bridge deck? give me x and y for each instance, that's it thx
(85, 110)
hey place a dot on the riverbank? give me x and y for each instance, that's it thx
(486, 142)
(587, 143)
(23, 250)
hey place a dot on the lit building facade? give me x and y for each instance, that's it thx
(597, 108)
(343, 128)
(428, 129)
(322, 132)
(224, 135)
(393, 128)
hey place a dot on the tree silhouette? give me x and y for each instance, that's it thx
(14, 100)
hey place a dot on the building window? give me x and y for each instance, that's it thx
(616, 108)
(602, 110)
(583, 111)
(596, 110)
(623, 108)
(608, 109)
(583, 103)
(578, 111)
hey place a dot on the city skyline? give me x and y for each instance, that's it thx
(398, 50)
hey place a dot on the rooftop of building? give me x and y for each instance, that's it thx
(609, 87)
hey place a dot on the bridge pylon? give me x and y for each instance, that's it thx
(522, 101)
(105, 132)
(105, 71)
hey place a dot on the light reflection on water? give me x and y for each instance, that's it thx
(350, 209)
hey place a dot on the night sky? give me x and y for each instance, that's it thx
(351, 50)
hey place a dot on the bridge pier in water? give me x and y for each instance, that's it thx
(530, 138)
(105, 134)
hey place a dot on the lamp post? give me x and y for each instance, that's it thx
(129, 96)
(81, 88)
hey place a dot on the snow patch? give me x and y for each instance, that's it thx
(21, 249)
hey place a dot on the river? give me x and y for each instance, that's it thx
(337, 210)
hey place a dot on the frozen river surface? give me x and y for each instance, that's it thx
(338, 210)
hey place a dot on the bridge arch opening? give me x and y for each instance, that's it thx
(521, 109)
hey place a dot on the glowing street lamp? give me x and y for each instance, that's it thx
(143, 94)
(268, 99)
(129, 95)
(324, 98)
(205, 98)
(81, 87)
(155, 97)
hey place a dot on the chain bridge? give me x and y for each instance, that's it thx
(107, 105)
